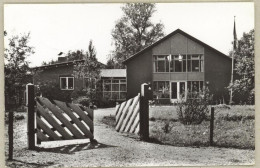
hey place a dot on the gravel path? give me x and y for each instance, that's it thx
(117, 149)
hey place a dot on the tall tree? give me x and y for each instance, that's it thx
(243, 86)
(89, 69)
(17, 72)
(135, 31)
(75, 55)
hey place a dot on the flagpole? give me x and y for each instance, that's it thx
(232, 67)
(231, 91)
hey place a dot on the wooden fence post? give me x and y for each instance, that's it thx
(11, 134)
(144, 113)
(211, 126)
(31, 116)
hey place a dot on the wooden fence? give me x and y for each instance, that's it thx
(127, 115)
(58, 120)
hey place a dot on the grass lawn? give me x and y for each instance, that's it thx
(233, 127)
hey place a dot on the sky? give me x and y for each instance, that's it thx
(56, 28)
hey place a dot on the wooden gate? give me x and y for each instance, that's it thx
(57, 120)
(133, 115)
(127, 115)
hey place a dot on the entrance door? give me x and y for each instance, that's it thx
(174, 90)
(177, 90)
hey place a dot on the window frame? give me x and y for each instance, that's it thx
(166, 62)
(156, 88)
(111, 92)
(185, 65)
(67, 82)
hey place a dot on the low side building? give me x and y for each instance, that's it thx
(111, 85)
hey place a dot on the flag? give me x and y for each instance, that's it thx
(235, 36)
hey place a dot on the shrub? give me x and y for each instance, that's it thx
(194, 108)
(52, 91)
(105, 103)
(166, 127)
(83, 100)
(152, 119)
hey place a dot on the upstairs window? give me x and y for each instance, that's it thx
(161, 63)
(178, 63)
(195, 63)
(67, 83)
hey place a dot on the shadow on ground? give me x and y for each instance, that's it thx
(71, 149)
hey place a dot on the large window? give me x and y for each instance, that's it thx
(178, 63)
(161, 89)
(195, 63)
(195, 86)
(161, 63)
(66, 83)
(114, 89)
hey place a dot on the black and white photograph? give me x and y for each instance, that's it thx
(129, 84)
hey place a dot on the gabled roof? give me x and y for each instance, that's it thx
(113, 73)
(168, 36)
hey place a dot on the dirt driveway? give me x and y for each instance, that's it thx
(116, 149)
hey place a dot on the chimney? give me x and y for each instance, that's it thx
(62, 59)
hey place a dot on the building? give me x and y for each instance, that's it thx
(177, 63)
(113, 82)
(59, 76)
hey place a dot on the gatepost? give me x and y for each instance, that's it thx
(31, 115)
(146, 95)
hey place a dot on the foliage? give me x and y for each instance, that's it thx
(243, 86)
(52, 91)
(233, 113)
(17, 72)
(83, 100)
(194, 109)
(105, 103)
(49, 63)
(112, 64)
(167, 128)
(76, 55)
(90, 69)
(135, 31)
(71, 56)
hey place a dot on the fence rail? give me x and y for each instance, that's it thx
(126, 114)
